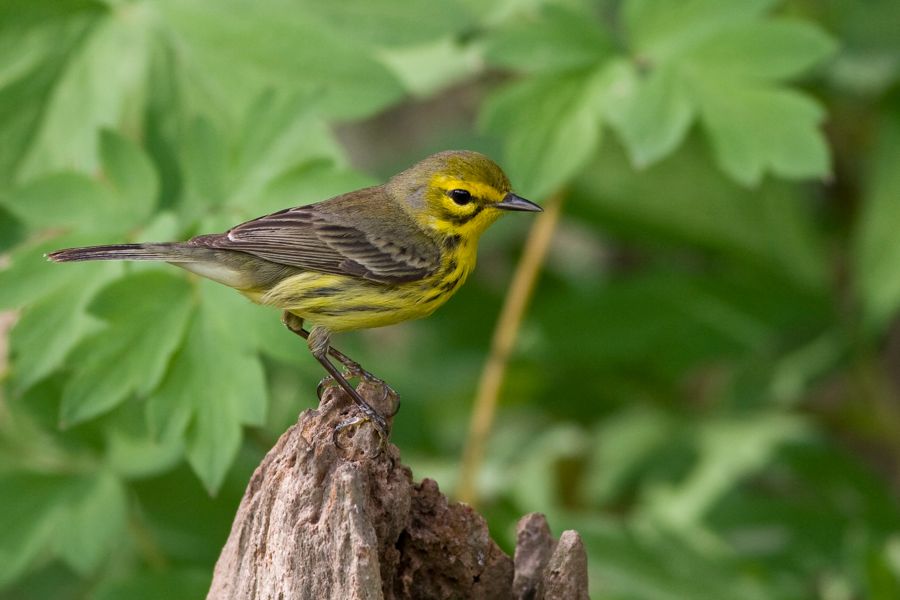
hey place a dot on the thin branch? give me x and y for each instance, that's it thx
(502, 344)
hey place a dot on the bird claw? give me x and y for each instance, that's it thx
(355, 371)
(326, 383)
(378, 422)
(396, 408)
(387, 390)
(352, 370)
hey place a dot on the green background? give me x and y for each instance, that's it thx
(707, 381)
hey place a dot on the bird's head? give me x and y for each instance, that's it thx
(457, 192)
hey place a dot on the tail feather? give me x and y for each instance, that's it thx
(233, 269)
(172, 252)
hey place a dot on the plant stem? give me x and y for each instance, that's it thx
(505, 333)
(147, 545)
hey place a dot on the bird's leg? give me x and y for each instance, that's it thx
(295, 324)
(352, 368)
(318, 341)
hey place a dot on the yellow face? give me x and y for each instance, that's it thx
(461, 207)
(463, 193)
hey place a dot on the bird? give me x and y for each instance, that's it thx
(367, 258)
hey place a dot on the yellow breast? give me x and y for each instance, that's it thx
(343, 303)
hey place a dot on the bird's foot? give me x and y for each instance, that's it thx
(352, 370)
(378, 422)
(326, 383)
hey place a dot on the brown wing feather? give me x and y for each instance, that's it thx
(337, 236)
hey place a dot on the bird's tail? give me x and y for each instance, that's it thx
(169, 252)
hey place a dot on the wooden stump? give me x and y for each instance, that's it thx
(318, 521)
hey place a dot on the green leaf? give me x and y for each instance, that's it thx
(163, 225)
(754, 130)
(655, 565)
(687, 320)
(714, 58)
(722, 61)
(206, 162)
(651, 113)
(11, 230)
(730, 450)
(279, 132)
(65, 201)
(869, 61)
(770, 50)
(132, 175)
(102, 86)
(147, 313)
(73, 202)
(388, 23)
(134, 453)
(533, 480)
(310, 182)
(29, 510)
(93, 522)
(226, 55)
(624, 443)
(30, 276)
(52, 326)
(78, 517)
(556, 40)
(275, 341)
(882, 573)
(215, 386)
(684, 201)
(660, 30)
(74, 67)
(171, 584)
(39, 39)
(876, 252)
(562, 131)
(429, 68)
(802, 498)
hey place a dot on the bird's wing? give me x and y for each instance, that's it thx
(342, 236)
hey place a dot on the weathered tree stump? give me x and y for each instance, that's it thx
(318, 521)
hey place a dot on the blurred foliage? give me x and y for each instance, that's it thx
(707, 386)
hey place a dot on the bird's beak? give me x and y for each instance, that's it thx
(513, 202)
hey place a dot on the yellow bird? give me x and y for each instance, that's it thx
(368, 258)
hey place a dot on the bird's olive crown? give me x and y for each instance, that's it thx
(450, 190)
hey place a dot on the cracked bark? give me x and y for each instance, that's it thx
(318, 521)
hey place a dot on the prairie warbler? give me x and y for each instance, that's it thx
(372, 257)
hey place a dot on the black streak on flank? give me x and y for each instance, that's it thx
(337, 312)
(450, 285)
(452, 265)
(326, 291)
(452, 242)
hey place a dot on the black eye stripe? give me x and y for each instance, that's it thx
(460, 196)
(463, 219)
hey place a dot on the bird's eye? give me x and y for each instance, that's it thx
(461, 197)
